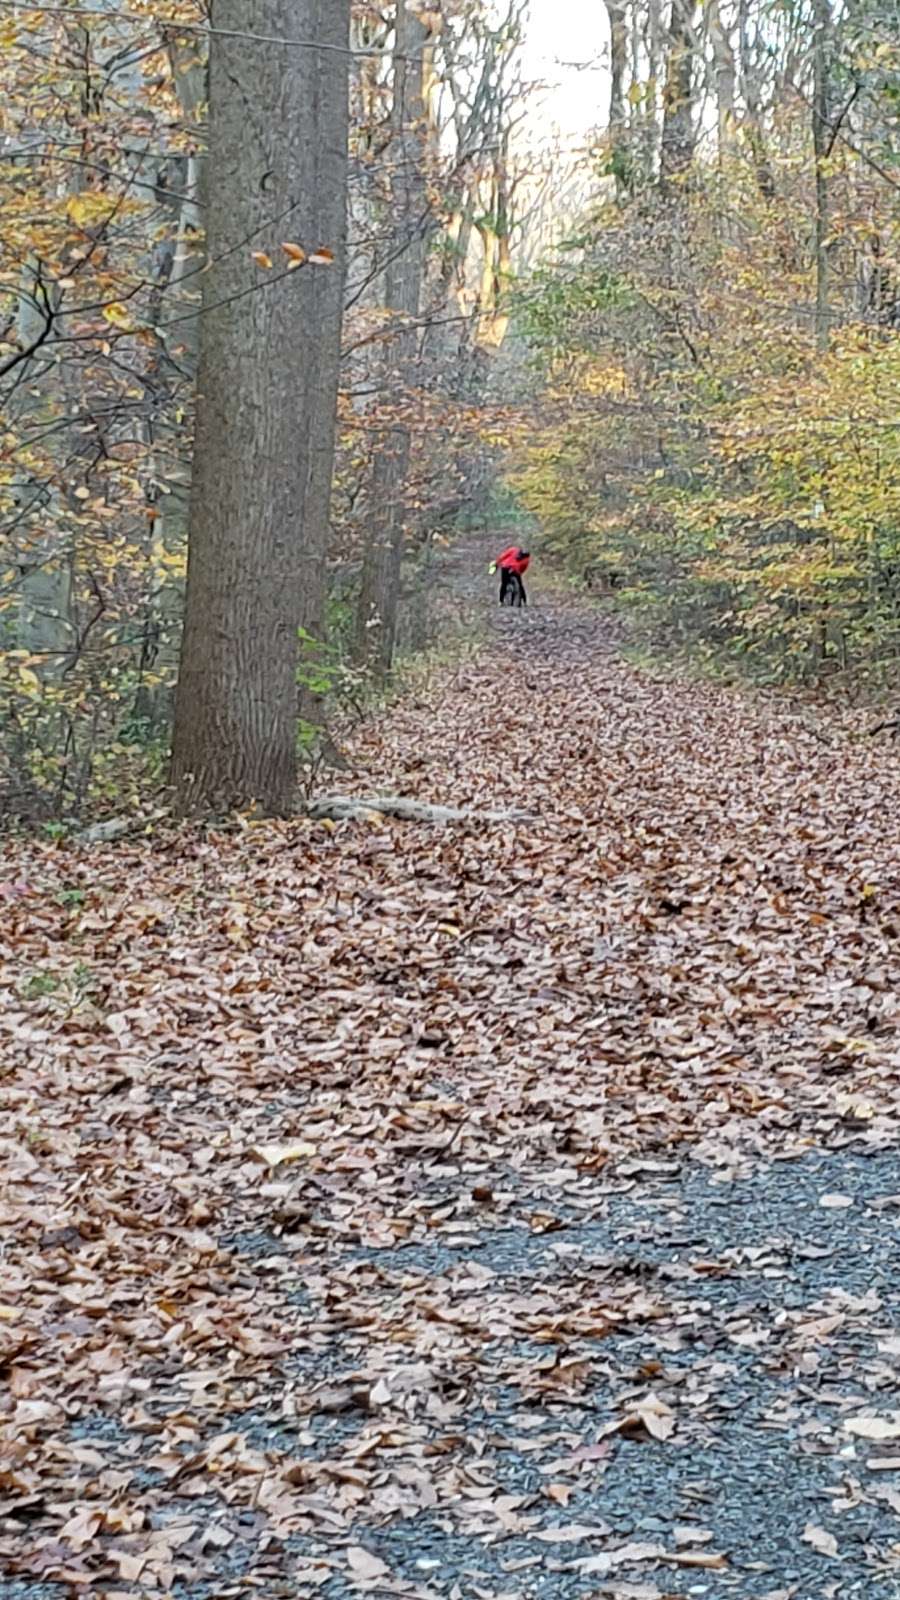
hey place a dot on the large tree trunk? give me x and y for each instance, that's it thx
(268, 368)
(376, 627)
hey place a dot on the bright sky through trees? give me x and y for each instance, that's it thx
(561, 33)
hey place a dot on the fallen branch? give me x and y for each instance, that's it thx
(330, 807)
(106, 832)
(119, 828)
(355, 808)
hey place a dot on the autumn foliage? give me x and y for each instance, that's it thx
(708, 432)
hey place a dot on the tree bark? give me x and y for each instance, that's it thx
(376, 623)
(725, 76)
(618, 49)
(677, 151)
(268, 369)
(821, 133)
(654, 38)
(751, 94)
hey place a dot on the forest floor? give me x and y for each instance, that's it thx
(474, 1212)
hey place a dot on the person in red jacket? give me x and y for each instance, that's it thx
(512, 564)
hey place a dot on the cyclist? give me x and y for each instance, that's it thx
(512, 564)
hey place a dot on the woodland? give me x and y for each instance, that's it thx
(449, 1060)
(259, 372)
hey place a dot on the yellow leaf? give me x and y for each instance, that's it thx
(8, 1313)
(322, 257)
(294, 253)
(117, 315)
(261, 259)
(88, 207)
(29, 679)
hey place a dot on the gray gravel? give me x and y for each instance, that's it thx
(758, 1453)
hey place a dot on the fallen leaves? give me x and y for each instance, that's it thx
(311, 1136)
(80, 1528)
(365, 1567)
(636, 1553)
(277, 1155)
(650, 1416)
(820, 1540)
(872, 1427)
(708, 1560)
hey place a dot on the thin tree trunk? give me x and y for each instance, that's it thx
(177, 271)
(678, 135)
(752, 98)
(268, 364)
(322, 370)
(380, 589)
(654, 59)
(821, 132)
(725, 76)
(618, 51)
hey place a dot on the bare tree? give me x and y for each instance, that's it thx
(654, 43)
(404, 272)
(751, 49)
(268, 362)
(678, 132)
(725, 72)
(618, 50)
(822, 140)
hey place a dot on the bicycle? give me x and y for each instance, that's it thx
(512, 590)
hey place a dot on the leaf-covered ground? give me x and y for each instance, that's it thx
(482, 1212)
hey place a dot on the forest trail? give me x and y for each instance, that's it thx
(468, 1212)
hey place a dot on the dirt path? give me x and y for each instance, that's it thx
(481, 1212)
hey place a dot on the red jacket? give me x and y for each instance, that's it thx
(510, 560)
